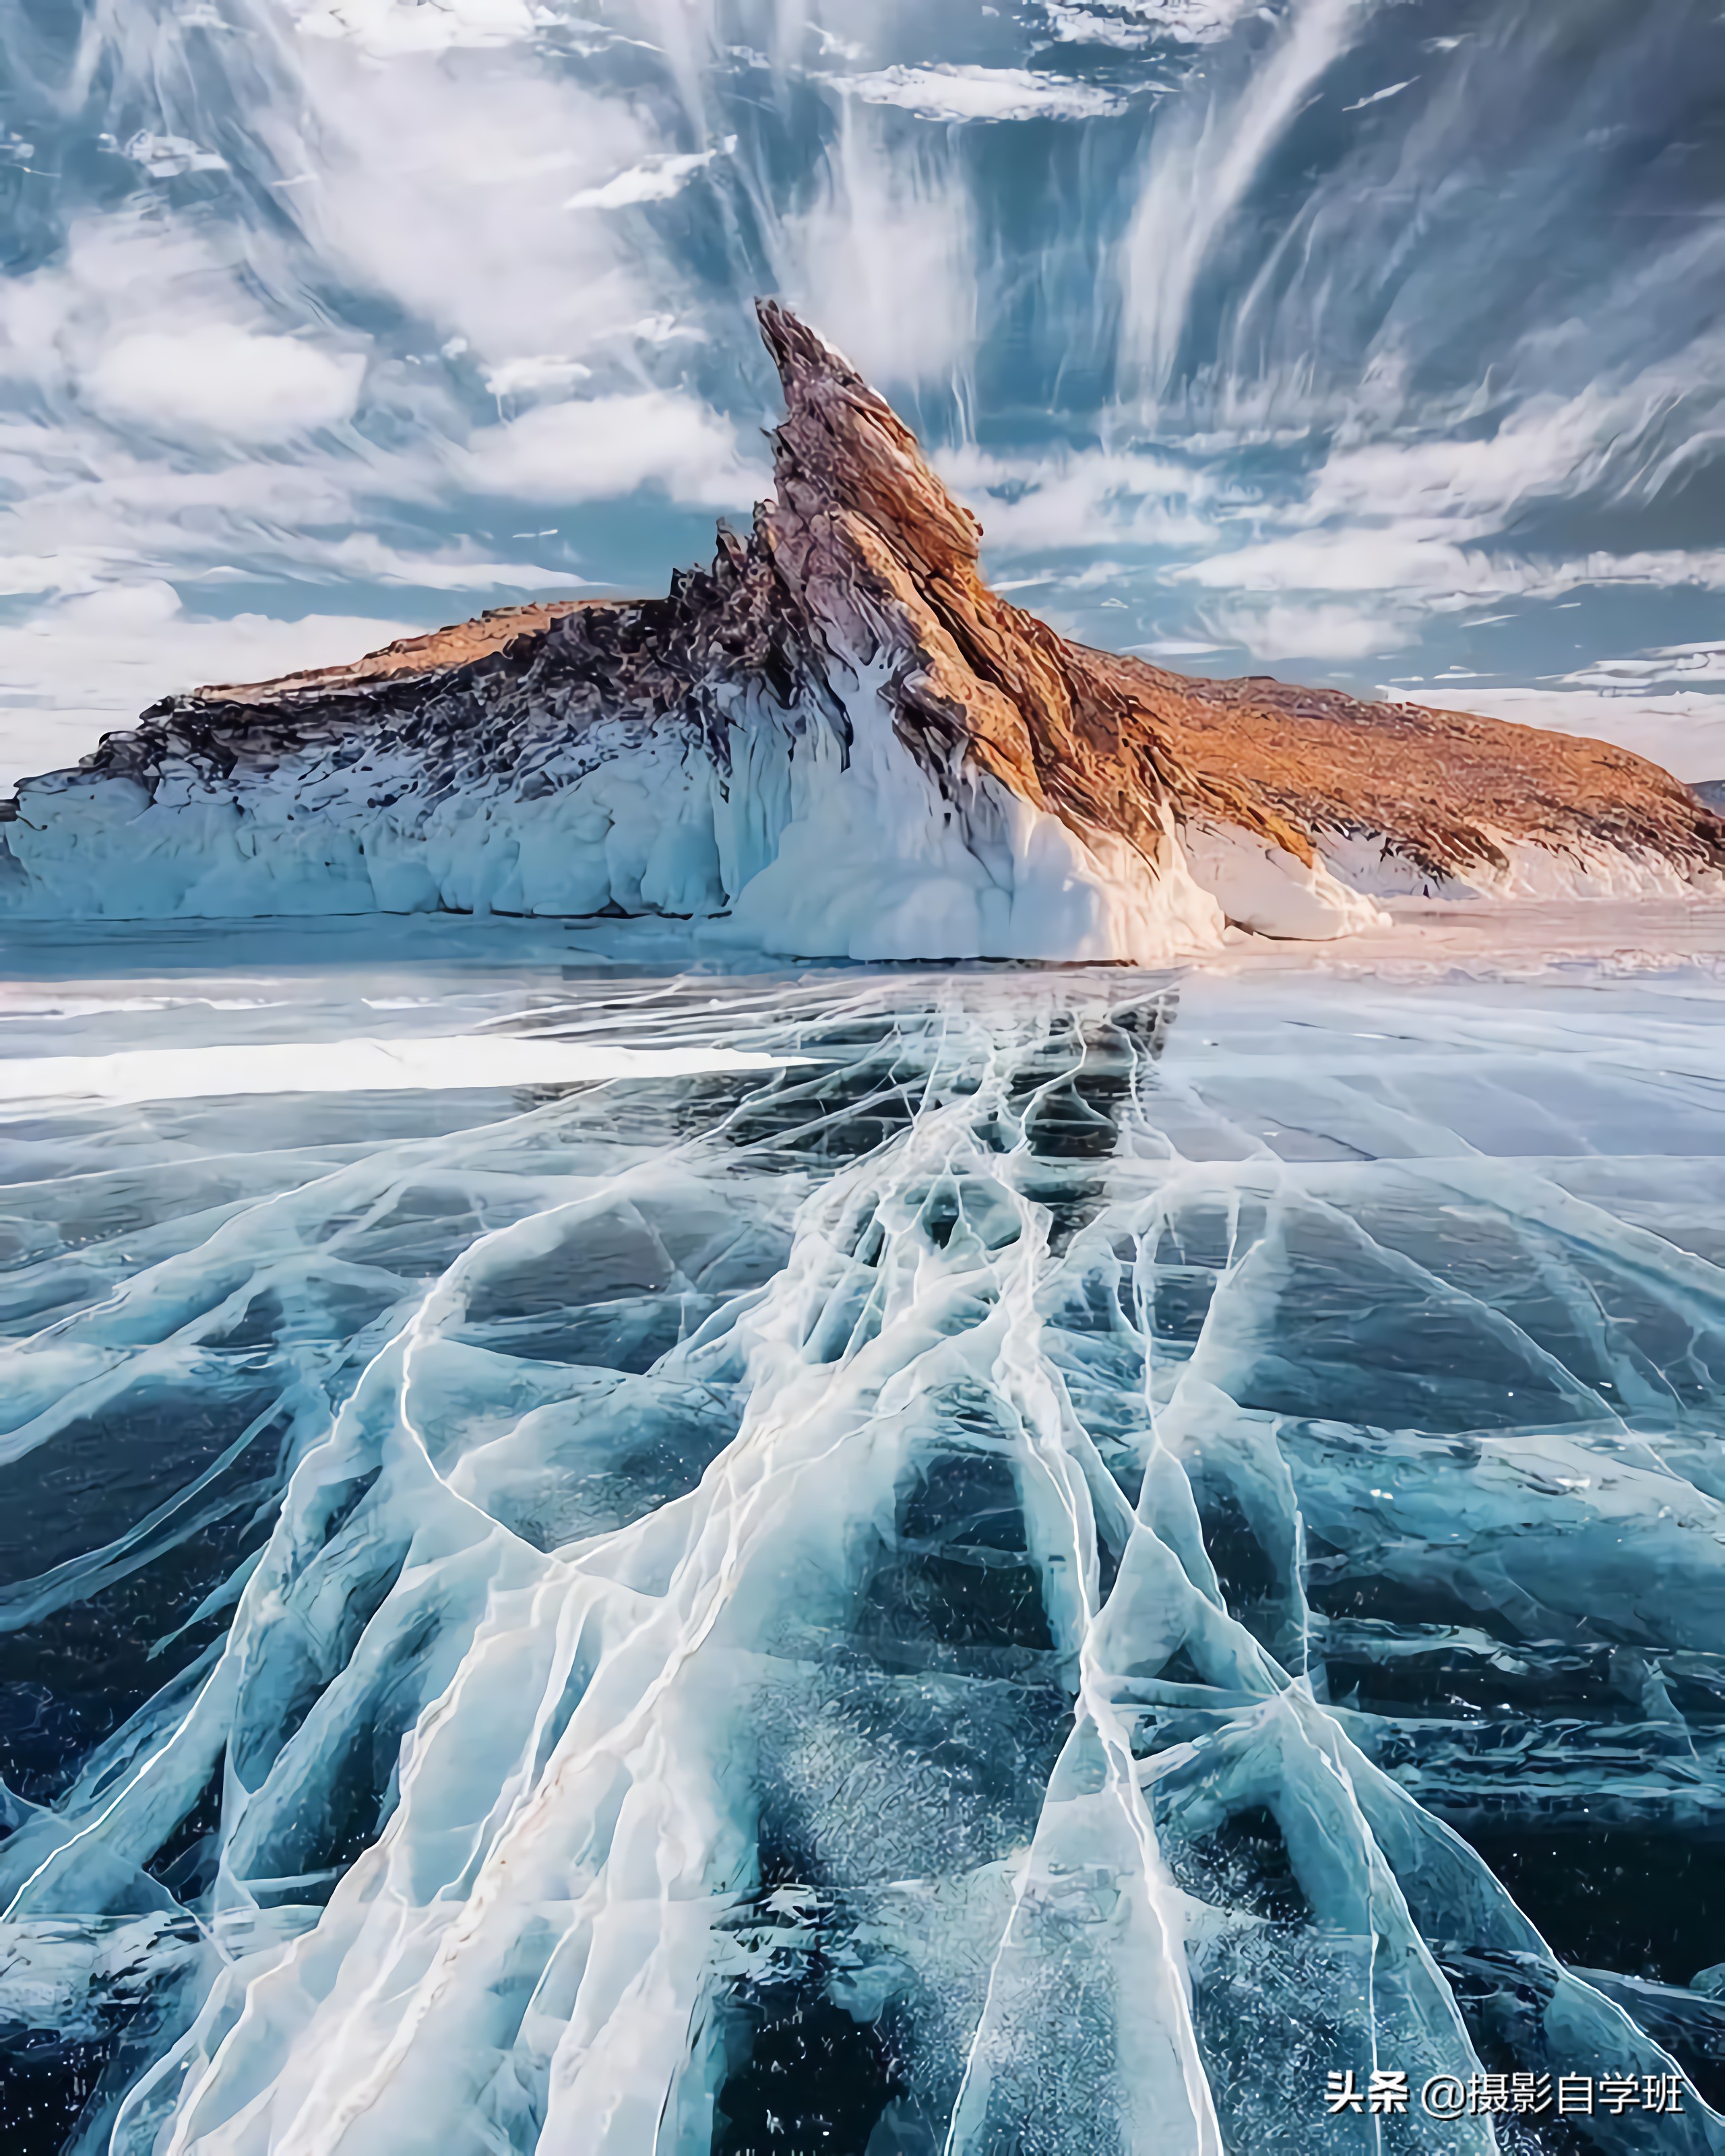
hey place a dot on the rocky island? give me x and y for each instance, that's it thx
(835, 742)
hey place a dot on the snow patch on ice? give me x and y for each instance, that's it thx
(440, 1063)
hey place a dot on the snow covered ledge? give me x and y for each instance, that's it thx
(1262, 887)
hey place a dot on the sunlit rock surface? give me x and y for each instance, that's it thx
(1058, 1559)
(837, 741)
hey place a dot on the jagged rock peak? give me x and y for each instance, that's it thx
(837, 739)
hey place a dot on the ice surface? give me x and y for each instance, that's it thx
(1036, 1580)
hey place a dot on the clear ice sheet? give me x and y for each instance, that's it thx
(1085, 1551)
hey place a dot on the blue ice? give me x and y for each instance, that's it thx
(1008, 1560)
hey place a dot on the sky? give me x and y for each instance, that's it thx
(1376, 342)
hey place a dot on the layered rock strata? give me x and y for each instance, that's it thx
(836, 740)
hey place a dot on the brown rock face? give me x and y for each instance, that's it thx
(1441, 788)
(863, 565)
(868, 540)
(1102, 740)
(435, 652)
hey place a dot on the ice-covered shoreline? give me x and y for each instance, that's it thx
(838, 742)
(809, 852)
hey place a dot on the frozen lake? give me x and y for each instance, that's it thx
(603, 1554)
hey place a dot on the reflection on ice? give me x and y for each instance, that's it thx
(1037, 1580)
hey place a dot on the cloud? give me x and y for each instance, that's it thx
(387, 29)
(1202, 164)
(137, 606)
(884, 261)
(1357, 560)
(1323, 630)
(600, 447)
(169, 157)
(525, 377)
(366, 559)
(214, 379)
(441, 190)
(1661, 703)
(1433, 574)
(103, 513)
(956, 93)
(75, 569)
(77, 671)
(1685, 733)
(1379, 96)
(1678, 663)
(1551, 447)
(1078, 499)
(1130, 23)
(655, 179)
(1425, 524)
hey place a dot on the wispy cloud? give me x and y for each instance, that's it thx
(1323, 629)
(884, 257)
(1685, 664)
(171, 156)
(1130, 24)
(1432, 574)
(957, 93)
(653, 180)
(1079, 499)
(389, 28)
(341, 294)
(1379, 96)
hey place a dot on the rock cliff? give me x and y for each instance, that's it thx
(836, 740)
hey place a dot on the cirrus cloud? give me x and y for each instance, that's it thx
(958, 93)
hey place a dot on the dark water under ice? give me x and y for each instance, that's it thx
(1007, 1561)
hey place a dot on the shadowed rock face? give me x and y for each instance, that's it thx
(836, 680)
